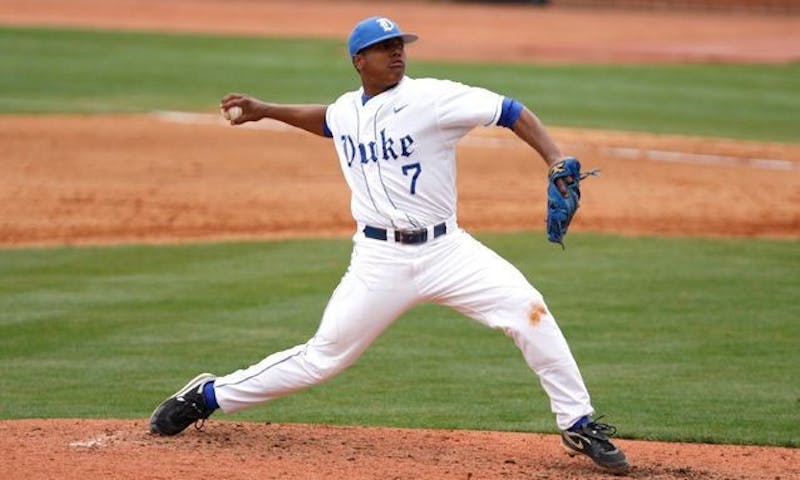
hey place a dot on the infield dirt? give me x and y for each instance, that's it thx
(152, 178)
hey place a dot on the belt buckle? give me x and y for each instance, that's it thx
(411, 237)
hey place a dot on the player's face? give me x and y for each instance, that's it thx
(382, 65)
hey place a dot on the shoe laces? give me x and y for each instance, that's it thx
(599, 430)
(199, 424)
(196, 411)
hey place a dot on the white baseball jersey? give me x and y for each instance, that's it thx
(397, 150)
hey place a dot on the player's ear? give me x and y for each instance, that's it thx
(358, 60)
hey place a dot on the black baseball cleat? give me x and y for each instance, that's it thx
(185, 407)
(592, 440)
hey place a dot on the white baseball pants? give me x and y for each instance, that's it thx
(386, 279)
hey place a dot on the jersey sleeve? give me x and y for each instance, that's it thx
(510, 113)
(326, 131)
(330, 120)
(336, 114)
(460, 106)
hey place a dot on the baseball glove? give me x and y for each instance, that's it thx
(563, 196)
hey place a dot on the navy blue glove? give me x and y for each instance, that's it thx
(562, 203)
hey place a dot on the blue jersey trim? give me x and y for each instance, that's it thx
(510, 113)
(325, 130)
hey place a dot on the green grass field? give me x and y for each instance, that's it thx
(678, 339)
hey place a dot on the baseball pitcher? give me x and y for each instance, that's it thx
(395, 138)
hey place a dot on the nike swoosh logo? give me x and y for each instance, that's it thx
(576, 443)
(398, 109)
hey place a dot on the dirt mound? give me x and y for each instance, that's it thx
(123, 449)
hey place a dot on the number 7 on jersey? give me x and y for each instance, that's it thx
(417, 169)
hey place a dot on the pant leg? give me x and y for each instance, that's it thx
(471, 278)
(371, 295)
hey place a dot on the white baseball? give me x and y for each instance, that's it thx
(232, 113)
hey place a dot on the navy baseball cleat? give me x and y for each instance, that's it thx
(592, 439)
(183, 408)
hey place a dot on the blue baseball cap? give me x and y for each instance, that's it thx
(373, 30)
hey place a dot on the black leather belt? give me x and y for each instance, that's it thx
(411, 236)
